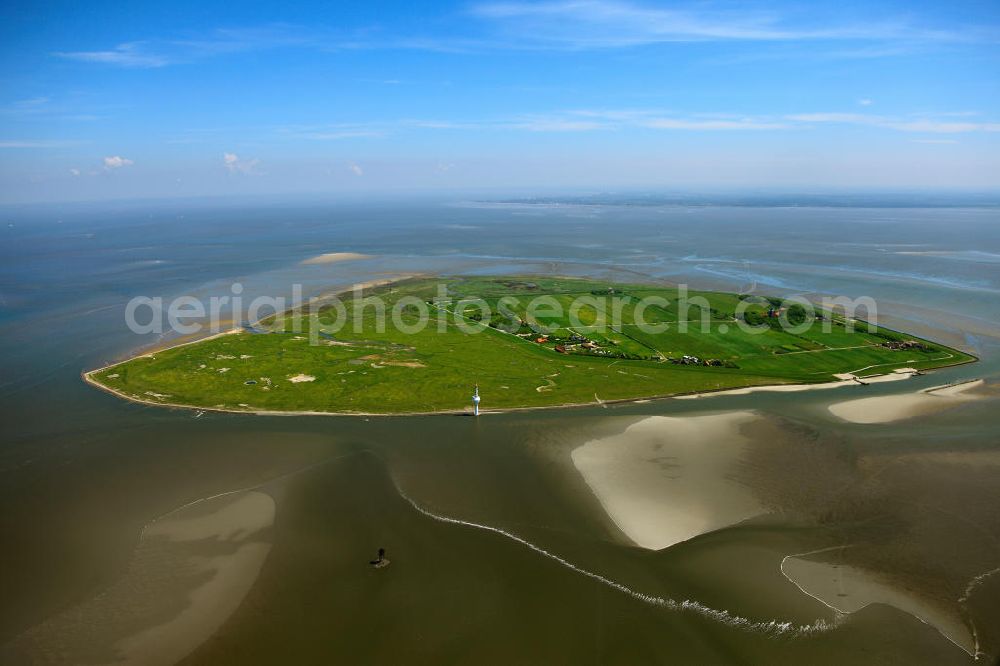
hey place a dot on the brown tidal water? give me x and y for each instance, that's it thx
(499, 550)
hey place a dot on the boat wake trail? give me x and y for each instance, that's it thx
(770, 627)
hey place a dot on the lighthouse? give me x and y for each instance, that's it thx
(475, 401)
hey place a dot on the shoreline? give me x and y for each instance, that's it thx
(161, 345)
(86, 376)
(840, 382)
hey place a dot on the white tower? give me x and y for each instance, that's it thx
(475, 401)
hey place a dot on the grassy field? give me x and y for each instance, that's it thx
(293, 362)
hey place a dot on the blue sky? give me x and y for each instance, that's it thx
(112, 100)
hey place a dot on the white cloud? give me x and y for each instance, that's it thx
(130, 54)
(558, 125)
(598, 120)
(443, 124)
(941, 127)
(74, 172)
(37, 143)
(334, 132)
(934, 141)
(346, 134)
(237, 165)
(588, 120)
(163, 52)
(711, 124)
(116, 162)
(26, 107)
(356, 170)
(555, 24)
(929, 125)
(581, 24)
(864, 102)
(832, 117)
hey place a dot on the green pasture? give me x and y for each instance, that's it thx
(350, 359)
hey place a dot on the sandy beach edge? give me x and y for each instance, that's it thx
(87, 376)
(453, 412)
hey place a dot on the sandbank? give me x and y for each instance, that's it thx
(847, 589)
(335, 257)
(844, 379)
(667, 479)
(891, 408)
(190, 571)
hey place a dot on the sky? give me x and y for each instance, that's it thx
(111, 100)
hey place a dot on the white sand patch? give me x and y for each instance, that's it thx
(953, 390)
(890, 408)
(848, 589)
(846, 379)
(667, 479)
(223, 370)
(158, 396)
(297, 379)
(336, 257)
(114, 376)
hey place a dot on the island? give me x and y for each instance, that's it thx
(424, 344)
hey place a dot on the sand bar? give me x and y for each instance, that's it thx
(667, 479)
(231, 575)
(190, 571)
(891, 408)
(847, 589)
(845, 379)
(335, 257)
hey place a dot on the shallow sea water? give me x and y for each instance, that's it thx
(499, 551)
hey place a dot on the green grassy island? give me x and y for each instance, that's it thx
(595, 350)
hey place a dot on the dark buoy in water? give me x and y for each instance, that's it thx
(380, 561)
